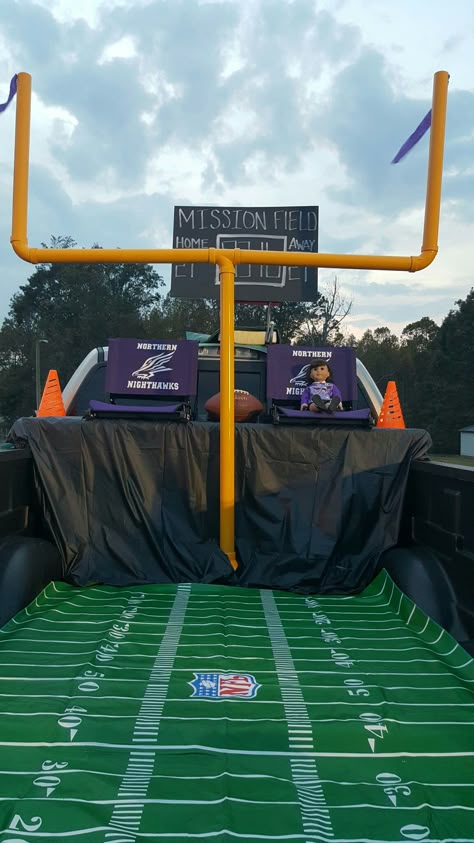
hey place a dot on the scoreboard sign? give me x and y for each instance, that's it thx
(288, 229)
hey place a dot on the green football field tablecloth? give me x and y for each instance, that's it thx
(167, 713)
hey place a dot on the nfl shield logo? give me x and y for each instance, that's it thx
(224, 685)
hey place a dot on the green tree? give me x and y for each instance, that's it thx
(75, 307)
(172, 317)
(448, 393)
(303, 322)
(379, 351)
(418, 336)
(432, 367)
(288, 317)
(416, 348)
(323, 327)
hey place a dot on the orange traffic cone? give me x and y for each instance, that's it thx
(391, 413)
(51, 403)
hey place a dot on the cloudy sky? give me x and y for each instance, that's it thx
(139, 105)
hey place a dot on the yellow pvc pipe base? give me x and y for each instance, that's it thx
(233, 560)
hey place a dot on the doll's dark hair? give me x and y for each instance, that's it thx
(313, 365)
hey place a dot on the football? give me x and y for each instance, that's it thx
(246, 406)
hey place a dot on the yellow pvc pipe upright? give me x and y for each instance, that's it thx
(435, 162)
(227, 427)
(22, 158)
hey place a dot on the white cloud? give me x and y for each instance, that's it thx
(141, 104)
(177, 171)
(91, 11)
(416, 38)
(66, 10)
(236, 123)
(124, 48)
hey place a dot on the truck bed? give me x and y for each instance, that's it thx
(175, 712)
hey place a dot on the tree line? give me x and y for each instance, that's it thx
(433, 367)
(76, 307)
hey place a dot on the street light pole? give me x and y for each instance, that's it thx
(38, 372)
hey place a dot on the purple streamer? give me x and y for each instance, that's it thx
(11, 94)
(414, 138)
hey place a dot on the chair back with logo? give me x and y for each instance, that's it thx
(288, 375)
(150, 378)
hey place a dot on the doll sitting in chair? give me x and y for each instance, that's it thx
(321, 395)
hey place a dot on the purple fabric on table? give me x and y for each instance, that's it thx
(11, 94)
(104, 407)
(152, 368)
(288, 367)
(420, 130)
(322, 416)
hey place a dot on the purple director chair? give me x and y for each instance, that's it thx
(287, 371)
(150, 379)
